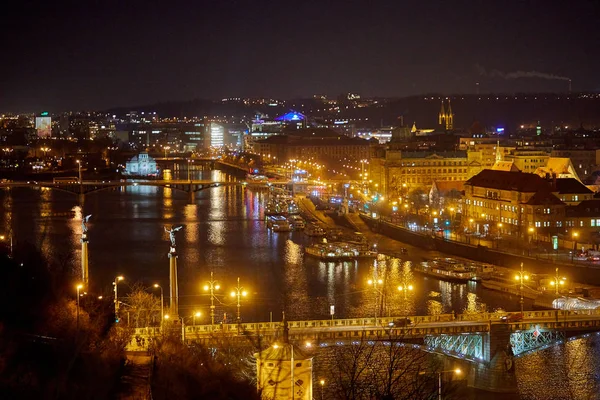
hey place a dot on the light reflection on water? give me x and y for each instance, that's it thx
(225, 232)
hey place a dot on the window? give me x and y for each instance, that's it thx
(593, 222)
(537, 224)
(581, 223)
(576, 198)
(298, 364)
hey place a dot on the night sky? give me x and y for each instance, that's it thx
(99, 54)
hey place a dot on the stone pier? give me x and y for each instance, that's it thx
(496, 373)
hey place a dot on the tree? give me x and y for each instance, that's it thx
(383, 368)
(141, 307)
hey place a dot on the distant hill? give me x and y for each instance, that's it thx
(503, 110)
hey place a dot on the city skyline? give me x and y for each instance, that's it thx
(95, 57)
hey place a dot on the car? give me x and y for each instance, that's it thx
(512, 317)
(594, 258)
(399, 323)
(403, 250)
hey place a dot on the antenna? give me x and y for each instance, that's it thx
(569, 86)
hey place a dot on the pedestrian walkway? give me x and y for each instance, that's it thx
(136, 380)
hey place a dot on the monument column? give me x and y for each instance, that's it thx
(84, 253)
(173, 288)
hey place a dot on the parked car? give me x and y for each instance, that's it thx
(512, 318)
(399, 323)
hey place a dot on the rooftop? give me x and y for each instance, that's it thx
(508, 180)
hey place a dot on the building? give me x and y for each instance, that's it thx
(584, 220)
(142, 164)
(319, 143)
(559, 168)
(418, 169)
(570, 191)
(505, 202)
(527, 160)
(584, 161)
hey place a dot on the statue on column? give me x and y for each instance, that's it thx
(171, 233)
(84, 225)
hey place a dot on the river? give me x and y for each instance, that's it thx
(225, 233)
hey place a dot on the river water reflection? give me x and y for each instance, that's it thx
(225, 233)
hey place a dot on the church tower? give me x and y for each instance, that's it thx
(449, 117)
(446, 118)
(442, 116)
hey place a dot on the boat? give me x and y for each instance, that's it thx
(278, 223)
(297, 222)
(314, 230)
(338, 251)
(445, 272)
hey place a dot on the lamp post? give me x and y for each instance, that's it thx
(79, 287)
(374, 283)
(239, 292)
(456, 371)
(556, 282)
(79, 169)
(471, 220)
(197, 314)
(189, 162)
(498, 237)
(45, 150)
(162, 305)
(322, 383)
(116, 285)
(212, 286)
(10, 238)
(521, 277)
(531, 231)
(575, 235)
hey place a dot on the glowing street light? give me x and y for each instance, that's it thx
(162, 307)
(116, 285)
(557, 283)
(575, 235)
(521, 277)
(212, 286)
(238, 292)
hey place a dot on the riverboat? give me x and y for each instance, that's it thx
(297, 222)
(278, 223)
(456, 273)
(314, 230)
(338, 251)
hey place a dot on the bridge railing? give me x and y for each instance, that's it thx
(552, 315)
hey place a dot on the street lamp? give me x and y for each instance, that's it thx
(162, 308)
(456, 371)
(575, 236)
(521, 277)
(116, 283)
(322, 383)
(3, 237)
(79, 287)
(189, 161)
(79, 169)
(556, 282)
(374, 283)
(238, 292)
(531, 231)
(45, 150)
(212, 286)
(197, 314)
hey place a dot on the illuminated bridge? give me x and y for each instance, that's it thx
(483, 341)
(84, 187)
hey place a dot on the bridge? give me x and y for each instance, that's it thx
(483, 341)
(85, 187)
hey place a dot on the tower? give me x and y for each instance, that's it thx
(449, 117)
(446, 118)
(442, 116)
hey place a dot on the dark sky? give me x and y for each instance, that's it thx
(98, 54)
